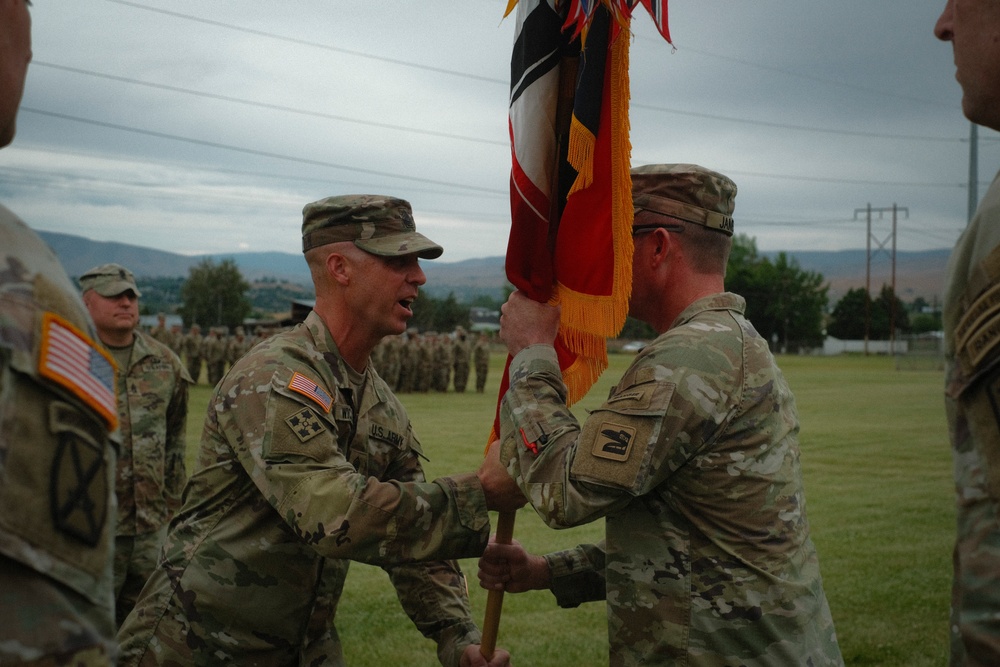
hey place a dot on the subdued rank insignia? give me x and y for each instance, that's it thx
(614, 442)
(305, 424)
(79, 489)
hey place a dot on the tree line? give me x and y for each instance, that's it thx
(786, 304)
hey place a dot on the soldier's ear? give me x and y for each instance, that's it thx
(337, 268)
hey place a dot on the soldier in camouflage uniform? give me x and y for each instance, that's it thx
(425, 363)
(214, 352)
(308, 461)
(176, 340)
(236, 347)
(160, 332)
(192, 346)
(391, 360)
(972, 354)
(442, 360)
(57, 460)
(408, 358)
(461, 353)
(693, 460)
(481, 359)
(152, 388)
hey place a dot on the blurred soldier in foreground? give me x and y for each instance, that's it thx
(972, 353)
(308, 461)
(152, 415)
(693, 460)
(57, 406)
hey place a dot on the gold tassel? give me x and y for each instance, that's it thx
(588, 319)
(580, 154)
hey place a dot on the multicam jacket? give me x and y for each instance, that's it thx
(57, 464)
(694, 463)
(152, 405)
(972, 403)
(296, 477)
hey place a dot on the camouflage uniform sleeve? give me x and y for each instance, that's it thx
(656, 419)
(435, 597)
(578, 574)
(295, 456)
(175, 470)
(534, 411)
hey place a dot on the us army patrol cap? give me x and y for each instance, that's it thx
(109, 280)
(375, 223)
(685, 191)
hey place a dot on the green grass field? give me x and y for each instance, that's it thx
(878, 485)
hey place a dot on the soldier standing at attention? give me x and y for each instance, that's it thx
(214, 351)
(193, 344)
(57, 461)
(309, 461)
(693, 460)
(972, 353)
(461, 352)
(160, 332)
(481, 358)
(152, 408)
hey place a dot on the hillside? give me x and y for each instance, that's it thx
(918, 274)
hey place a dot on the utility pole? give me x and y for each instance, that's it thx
(868, 210)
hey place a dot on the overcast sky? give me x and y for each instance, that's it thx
(204, 127)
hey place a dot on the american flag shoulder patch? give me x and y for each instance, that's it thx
(303, 385)
(71, 359)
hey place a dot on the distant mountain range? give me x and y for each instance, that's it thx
(918, 274)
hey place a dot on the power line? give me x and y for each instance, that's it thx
(318, 45)
(800, 128)
(244, 172)
(251, 151)
(473, 188)
(273, 107)
(504, 82)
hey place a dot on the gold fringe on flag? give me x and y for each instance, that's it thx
(588, 319)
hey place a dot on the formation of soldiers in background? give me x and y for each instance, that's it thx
(411, 362)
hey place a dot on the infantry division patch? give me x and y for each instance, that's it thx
(305, 424)
(69, 357)
(614, 442)
(79, 489)
(303, 385)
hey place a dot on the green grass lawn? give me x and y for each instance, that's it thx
(878, 485)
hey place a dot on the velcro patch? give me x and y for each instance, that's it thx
(79, 489)
(614, 442)
(71, 359)
(305, 424)
(308, 388)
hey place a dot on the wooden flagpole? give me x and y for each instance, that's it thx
(568, 66)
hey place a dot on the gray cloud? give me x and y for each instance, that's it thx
(249, 109)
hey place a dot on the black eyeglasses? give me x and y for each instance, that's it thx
(642, 229)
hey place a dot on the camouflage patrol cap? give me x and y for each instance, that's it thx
(375, 223)
(109, 280)
(685, 191)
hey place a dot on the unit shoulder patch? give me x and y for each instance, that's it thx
(305, 424)
(614, 441)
